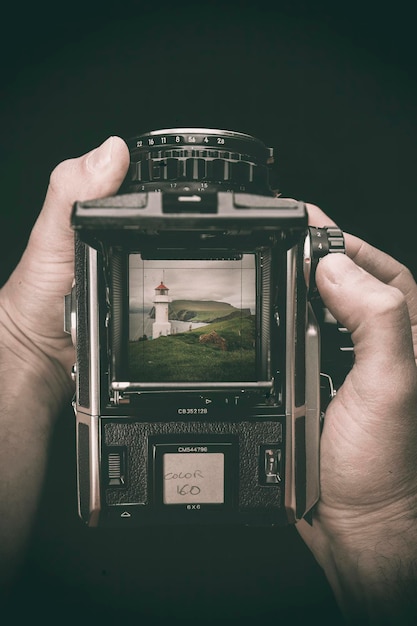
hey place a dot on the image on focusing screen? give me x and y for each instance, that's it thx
(192, 320)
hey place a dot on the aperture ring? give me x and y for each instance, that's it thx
(201, 139)
(201, 159)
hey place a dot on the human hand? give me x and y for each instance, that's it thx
(364, 531)
(31, 302)
(35, 353)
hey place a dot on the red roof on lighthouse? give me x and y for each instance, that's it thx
(161, 286)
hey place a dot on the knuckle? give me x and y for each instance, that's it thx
(317, 216)
(313, 207)
(60, 175)
(388, 301)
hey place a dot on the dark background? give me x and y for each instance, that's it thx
(334, 90)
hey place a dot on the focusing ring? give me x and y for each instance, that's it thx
(197, 160)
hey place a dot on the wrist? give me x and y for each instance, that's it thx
(372, 565)
(35, 385)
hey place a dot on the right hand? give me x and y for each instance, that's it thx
(365, 522)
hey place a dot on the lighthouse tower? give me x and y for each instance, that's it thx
(161, 326)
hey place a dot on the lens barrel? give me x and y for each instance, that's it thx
(198, 160)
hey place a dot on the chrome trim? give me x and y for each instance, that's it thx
(138, 386)
(90, 415)
(92, 421)
(94, 333)
(289, 496)
(200, 131)
(312, 409)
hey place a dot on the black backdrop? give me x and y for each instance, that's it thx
(333, 89)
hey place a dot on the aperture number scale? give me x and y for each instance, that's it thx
(164, 140)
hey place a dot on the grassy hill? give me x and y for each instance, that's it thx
(182, 357)
(206, 311)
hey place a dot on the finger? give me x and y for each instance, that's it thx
(317, 217)
(374, 261)
(96, 174)
(377, 316)
(385, 269)
(33, 294)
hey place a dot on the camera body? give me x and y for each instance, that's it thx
(198, 351)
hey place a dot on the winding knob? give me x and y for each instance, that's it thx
(318, 243)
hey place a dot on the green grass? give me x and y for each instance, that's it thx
(182, 357)
(201, 310)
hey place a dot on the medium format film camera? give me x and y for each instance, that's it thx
(196, 320)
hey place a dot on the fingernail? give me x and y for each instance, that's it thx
(100, 157)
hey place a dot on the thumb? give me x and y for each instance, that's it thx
(377, 316)
(49, 255)
(32, 297)
(97, 174)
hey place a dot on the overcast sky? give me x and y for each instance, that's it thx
(224, 281)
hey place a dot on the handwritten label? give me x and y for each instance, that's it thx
(193, 478)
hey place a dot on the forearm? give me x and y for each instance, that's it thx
(34, 388)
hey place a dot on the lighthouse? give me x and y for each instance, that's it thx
(161, 326)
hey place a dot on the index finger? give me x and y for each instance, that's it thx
(377, 263)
